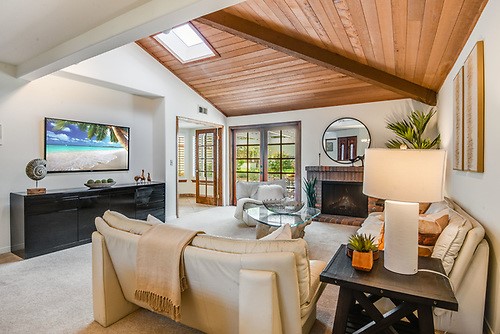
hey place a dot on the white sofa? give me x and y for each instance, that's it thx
(248, 193)
(235, 286)
(468, 275)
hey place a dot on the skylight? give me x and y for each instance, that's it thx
(185, 43)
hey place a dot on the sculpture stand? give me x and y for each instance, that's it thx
(36, 191)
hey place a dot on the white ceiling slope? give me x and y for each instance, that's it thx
(39, 37)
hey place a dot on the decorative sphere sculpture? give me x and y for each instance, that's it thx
(36, 169)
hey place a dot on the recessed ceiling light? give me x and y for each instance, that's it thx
(185, 43)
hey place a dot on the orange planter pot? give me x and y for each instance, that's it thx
(362, 260)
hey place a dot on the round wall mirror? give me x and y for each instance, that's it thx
(345, 140)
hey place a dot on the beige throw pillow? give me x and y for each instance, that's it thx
(451, 239)
(430, 227)
(269, 191)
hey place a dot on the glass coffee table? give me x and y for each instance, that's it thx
(268, 221)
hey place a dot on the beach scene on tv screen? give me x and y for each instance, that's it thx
(81, 146)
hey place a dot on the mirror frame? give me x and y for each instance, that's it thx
(323, 139)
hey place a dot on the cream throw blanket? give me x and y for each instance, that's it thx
(160, 268)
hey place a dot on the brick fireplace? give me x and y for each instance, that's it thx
(348, 175)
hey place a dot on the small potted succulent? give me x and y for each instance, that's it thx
(363, 247)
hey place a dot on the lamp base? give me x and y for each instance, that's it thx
(401, 237)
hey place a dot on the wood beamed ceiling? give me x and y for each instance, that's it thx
(281, 55)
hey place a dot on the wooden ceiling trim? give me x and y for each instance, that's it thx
(313, 54)
(470, 12)
(384, 11)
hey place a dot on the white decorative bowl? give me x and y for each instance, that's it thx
(100, 185)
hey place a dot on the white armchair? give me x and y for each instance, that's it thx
(248, 193)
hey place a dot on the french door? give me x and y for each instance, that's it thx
(207, 178)
(267, 152)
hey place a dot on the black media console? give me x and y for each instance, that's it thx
(60, 219)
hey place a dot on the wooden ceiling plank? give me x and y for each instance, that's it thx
(303, 20)
(359, 22)
(370, 13)
(469, 14)
(358, 94)
(432, 13)
(315, 55)
(312, 16)
(350, 29)
(327, 25)
(236, 80)
(384, 13)
(287, 25)
(399, 18)
(248, 74)
(334, 18)
(447, 21)
(245, 93)
(416, 11)
(286, 79)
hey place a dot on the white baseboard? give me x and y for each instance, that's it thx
(487, 328)
(5, 250)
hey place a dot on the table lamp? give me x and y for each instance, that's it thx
(404, 178)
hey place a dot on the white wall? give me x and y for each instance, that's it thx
(478, 193)
(23, 107)
(315, 121)
(130, 68)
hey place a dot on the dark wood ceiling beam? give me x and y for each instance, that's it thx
(316, 55)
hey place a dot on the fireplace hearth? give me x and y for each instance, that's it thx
(343, 199)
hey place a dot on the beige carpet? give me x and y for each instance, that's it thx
(53, 293)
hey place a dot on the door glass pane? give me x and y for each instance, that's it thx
(254, 151)
(288, 136)
(210, 191)
(273, 151)
(288, 151)
(253, 177)
(201, 165)
(273, 165)
(274, 136)
(241, 165)
(241, 177)
(241, 138)
(253, 165)
(272, 176)
(209, 152)
(241, 151)
(209, 139)
(254, 138)
(209, 165)
(288, 166)
(203, 191)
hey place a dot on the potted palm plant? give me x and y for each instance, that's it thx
(363, 247)
(410, 132)
(310, 189)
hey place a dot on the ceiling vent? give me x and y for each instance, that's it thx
(202, 110)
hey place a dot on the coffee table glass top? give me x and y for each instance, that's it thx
(264, 216)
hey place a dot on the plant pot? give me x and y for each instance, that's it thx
(362, 260)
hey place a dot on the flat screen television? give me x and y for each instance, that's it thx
(74, 146)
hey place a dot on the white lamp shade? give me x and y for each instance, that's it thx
(404, 175)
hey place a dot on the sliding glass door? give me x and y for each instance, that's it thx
(267, 152)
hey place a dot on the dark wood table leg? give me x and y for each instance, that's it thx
(344, 304)
(425, 319)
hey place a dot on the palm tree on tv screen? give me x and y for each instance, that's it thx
(100, 131)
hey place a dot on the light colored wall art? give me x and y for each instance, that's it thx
(458, 120)
(473, 116)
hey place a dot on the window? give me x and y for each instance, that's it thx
(181, 172)
(268, 152)
(193, 156)
(185, 43)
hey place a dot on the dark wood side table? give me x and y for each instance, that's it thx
(419, 292)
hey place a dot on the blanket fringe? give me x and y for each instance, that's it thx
(160, 304)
